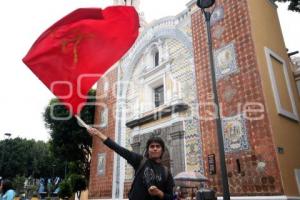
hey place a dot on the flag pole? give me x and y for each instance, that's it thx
(81, 122)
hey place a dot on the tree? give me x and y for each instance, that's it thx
(70, 142)
(22, 157)
(65, 189)
(294, 5)
(18, 184)
(78, 183)
(13, 157)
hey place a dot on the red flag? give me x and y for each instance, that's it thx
(70, 56)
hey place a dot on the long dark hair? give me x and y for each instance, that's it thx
(6, 185)
(155, 139)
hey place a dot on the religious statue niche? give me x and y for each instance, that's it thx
(235, 133)
(101, 164)
(104, 117)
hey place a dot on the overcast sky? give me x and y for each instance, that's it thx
(23, 96)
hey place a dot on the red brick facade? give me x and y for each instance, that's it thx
(247, 86)
(100, 186)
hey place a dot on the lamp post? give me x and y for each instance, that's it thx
(53, 166)
(7, 134)
(204, 4)
(65, 169)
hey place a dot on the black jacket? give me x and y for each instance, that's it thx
(151, 173)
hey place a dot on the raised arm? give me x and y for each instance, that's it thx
(95, 132)
(132, 158)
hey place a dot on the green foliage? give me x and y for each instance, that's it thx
(294, 5)
(78, 182)
(65, 189)
(27, 158)
(70, 142)
(18, 184)
(31, 190)
(75, 183)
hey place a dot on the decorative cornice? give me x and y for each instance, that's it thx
(190, 3)
(158, 115)
(177, 135)
(156, 69)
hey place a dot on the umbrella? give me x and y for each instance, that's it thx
(187, 184)
(190, 176)
(189, 179)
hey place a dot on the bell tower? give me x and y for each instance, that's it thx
(136, 5)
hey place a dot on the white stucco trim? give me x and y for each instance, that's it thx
(272, 3)
(114, 181)
(297, 176)
(190, 3)
(119, 137)
(114, 177)
(263, 198)
(298, 86)
(162, 125)
(250, 198)
(294, 114)
(122, 161)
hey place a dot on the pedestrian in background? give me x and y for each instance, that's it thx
(7, 191)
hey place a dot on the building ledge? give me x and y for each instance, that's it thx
(158, 114)
(154, 70)
(263, 198)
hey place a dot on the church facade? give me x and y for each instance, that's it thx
(162, 87)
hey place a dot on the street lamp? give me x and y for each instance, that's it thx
(66, 169)
(53, 166)
(203, 4)
(7, 134)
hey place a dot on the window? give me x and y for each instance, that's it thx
(281, 86)
(156, 59)
(159, 96)
(101, 163)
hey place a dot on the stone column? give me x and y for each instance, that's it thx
(177, 148)
(136, 144)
